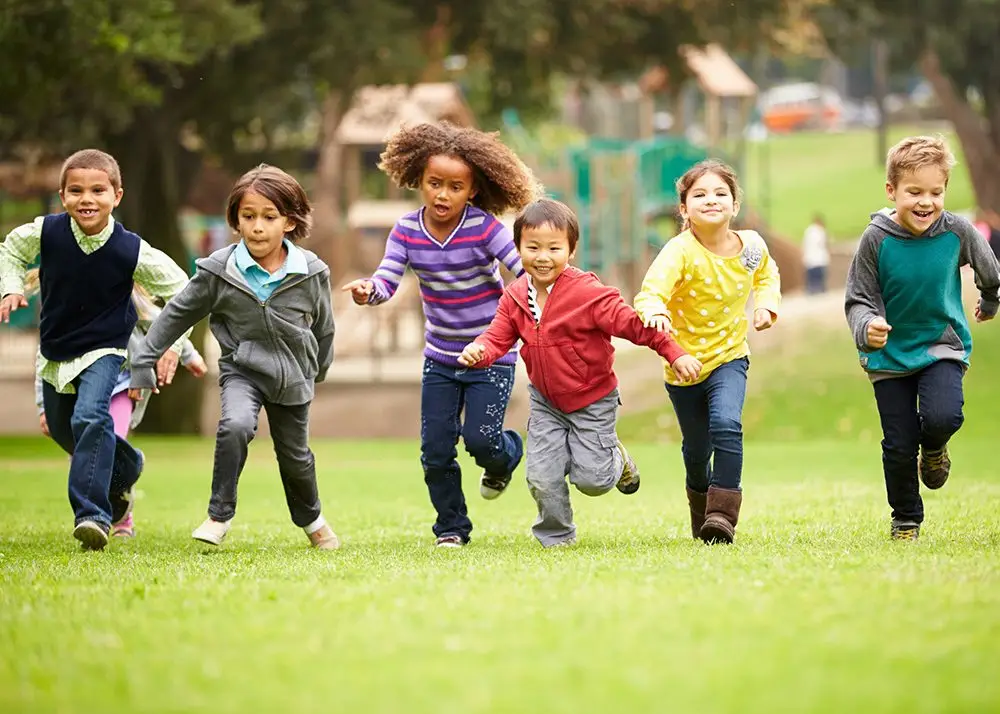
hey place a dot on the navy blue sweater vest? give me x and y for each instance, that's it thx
(86, 299)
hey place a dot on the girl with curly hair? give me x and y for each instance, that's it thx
(454, 244)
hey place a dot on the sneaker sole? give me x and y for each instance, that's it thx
(207, 539)
(630, 489)
(714, 531)
(490, 494)
(90, 536)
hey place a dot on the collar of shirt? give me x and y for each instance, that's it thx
(96, 239)
(295, 262)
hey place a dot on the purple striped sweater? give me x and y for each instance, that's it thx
(460, 283)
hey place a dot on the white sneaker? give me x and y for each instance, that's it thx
(213, 532)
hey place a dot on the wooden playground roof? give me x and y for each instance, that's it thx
(377, 111)
(715, 71)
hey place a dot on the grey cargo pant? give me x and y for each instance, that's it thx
(241, 404)
(582, 445)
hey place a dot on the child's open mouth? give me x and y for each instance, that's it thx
(923, 215)
(441, 210)
(87, 212)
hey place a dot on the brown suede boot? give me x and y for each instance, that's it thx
(721, 514)
(696, 501)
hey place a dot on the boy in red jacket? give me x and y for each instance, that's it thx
(565, 319)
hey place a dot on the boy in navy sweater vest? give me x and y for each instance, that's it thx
(88, 264)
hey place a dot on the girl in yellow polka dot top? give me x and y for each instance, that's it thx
(698, 288)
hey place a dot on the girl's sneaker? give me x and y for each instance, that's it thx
(125, 528)
(212, 532)
(324, 539)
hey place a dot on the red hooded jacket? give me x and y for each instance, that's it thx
(568, 353)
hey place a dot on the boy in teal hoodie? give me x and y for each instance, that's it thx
(904, 307)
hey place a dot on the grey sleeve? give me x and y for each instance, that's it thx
(182, 312)
(862, 294)
(323, 327)
(976, 252)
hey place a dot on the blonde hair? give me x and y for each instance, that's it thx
(92, 159)
(917, 152)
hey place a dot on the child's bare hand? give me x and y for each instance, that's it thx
(660, 323)
(166, 367)
(197, 366)
(878, 333)
(982, 316)
(135, 395)
(687, 368)
(762, 319)
(360, 290)
(43, 424)
(472, 354)
(11, 303)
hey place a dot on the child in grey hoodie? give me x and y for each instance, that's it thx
(269, 307)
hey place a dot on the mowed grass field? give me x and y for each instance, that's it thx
(839, 175)
(812, 610)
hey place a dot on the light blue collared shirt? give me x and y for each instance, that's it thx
(262, 282)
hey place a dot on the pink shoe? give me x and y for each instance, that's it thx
(125, 528)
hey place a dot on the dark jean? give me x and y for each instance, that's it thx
(923, 409)
(101, 463)
(483, 395)
(710, 415)
(815, 280)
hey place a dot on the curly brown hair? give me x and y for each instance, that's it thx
(502, 182)
(278, 187)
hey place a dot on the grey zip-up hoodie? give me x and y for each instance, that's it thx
(283, 345)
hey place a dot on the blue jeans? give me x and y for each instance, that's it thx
(483, 394)
(101, 463)
(710, 415)
(922, 409)
(815, 280)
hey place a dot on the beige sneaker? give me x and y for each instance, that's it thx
(324, 539)
(212, 532)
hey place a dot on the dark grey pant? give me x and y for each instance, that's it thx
(241, 403)
(582, 445)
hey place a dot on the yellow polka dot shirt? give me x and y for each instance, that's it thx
(705, 297)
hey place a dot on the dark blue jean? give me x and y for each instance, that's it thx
(921, 409)
(483, 395)
(101, 463)
(710, 415)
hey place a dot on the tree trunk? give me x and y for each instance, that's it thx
(156, 173)
(331, 239)
(982, 155)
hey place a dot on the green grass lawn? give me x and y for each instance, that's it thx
(812, 610)
(838, 175)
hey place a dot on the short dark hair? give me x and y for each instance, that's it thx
(92, 159)
(548, 211)
(281, 189)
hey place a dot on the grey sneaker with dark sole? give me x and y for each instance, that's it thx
(904, 530)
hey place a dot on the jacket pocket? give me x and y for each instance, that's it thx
(254, 356)
(574, 360)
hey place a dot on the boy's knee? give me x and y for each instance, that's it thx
(594, 480)
(240, 427)
(724, 426)
(943, 422)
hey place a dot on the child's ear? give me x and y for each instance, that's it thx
(118, 196)
(290, 225)
(890, 191)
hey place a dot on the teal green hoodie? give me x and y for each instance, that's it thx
(915, 283)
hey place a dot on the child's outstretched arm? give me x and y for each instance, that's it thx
(863, 304)
(322, 326)
(977, 253)
(384, 282)
(179, 315)
(17, 252)
(613, 316)
(497, 341)
(663, 276)
(501, 247)
(766, 291)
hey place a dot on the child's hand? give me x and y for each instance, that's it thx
(878, 333)
(982, 316)
(360, 290)
(166, 367)
(197, 366)
(10, 304)
(687, 368)
(762, 319)
(660, 323)
(472, 354)
(136, 394)
(43, 424)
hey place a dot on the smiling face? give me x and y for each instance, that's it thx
(709, 202)
(263, 228)
(919, 197)
(89, 197)
(445, 187)
(545, 252)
